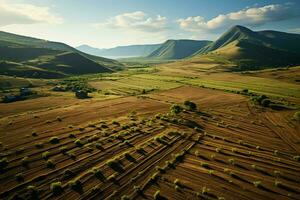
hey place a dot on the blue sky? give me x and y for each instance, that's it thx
(109, 23)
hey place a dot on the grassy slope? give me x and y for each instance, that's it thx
(177, 49)
(13, 40)
(30, 57)
(247, 48)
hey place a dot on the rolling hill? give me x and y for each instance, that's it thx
(121, 51)
(254, 50)
(177, 49)
(31, 57)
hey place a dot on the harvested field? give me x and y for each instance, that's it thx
(134, 148)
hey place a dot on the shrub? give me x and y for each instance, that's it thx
(205, 165)
(115, 123)
(257, 183)
(112, 178)
(177, 182)
(137, 189)
(245, 90)
(39, 145)
(93, 138)
(63, 149)
(205, 190)
(156, 195)
(285, 187)
(140, 150)
(125, 197)
(265, 102)
(68, 173)
(50, 164)
(129, 157)
(56, 188)
(219, 150)
(154, 177)
(45, 155)
(190, 105)
(103, 126)
(98, 173)
(297, 158)
(25, 161)
(179, 157)
(33, 191)
(91, 125)
(231, 161)
(277, 173)
(78, 143)
(96, 189)
(89, 147)
(278, 183)
(19, 177)
(98, 145)
(75, 185)
(72, 155)
(127, 143)
(72, 135)
(34, 133)
(115, 165)
(20, 150)
(260, 98)
(161, 139)
(58, 118)
(297, 116)
(176, 109)
(3, 163)
(160, 169)
(54, 140)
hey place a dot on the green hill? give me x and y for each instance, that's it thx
(177, 49)
(254, 50)
(23, 70)
(41, 58)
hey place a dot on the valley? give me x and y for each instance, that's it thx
(176, 119)
(126, 143)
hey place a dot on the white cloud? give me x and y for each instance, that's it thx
(26, 14)
(250, 16)
(137, 21)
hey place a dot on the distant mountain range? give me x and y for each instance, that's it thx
(177, 49)
(31, 57)
(121, 51)
(252, 50)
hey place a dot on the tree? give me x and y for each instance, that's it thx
(297, 116)
(265, 102)
(176, 109)
(190, 105)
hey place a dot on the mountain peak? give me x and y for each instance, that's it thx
(239, 28)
